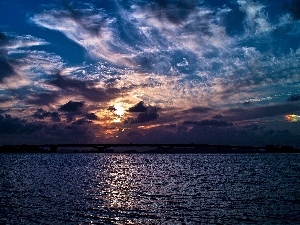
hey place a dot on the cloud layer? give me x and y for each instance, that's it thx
(172, 69)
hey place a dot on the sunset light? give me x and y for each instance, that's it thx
(292, 118)
(119, 112)
(170, 111)
(176, 70)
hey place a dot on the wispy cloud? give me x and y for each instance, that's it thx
(20, 65)
(89, 28)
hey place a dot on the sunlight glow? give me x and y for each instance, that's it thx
(292, 118)
(120, 111)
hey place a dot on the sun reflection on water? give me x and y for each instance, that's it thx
(120, 183)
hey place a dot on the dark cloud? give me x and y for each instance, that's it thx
(55, 117)
(111, 108)
(133, 133)
(138, 107)
(16, 131)
(146, 113)
(4, 99)
(143, 118)
(41, 114)
(71, 106)
(212, 123)
(198, 109)
(81, 121)
(3, 42)
(84, 88)
(294, 98)
(14, 125)
(236, 86)
(175, 11)
(82, 18)
(6, 68)
(261, 111)
(153, 62)
(2, 38)
(218, 116)
(92, 116)
(41, 99)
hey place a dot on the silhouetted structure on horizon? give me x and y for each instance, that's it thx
(156, 148)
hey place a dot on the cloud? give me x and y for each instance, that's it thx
(175, 11)
(72, 106)
(81, 121)
(180, 26)
(55, 117)
(91, 116)
(294, 98)
(146, 113)
(198, 109)
(20, 64)
(14, 130)
(84, 88)
(6, 68)
(111, 108)
(41, 99)
(14, 125)
(238, 114)
(138, 107)
(212, 123)
(90, 28)
(256, 20)
(10, 125)
(142, 118)
(42, 114)
(218, 116)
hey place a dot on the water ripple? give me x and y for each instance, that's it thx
(149, 189)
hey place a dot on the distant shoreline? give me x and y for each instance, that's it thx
(140, 148)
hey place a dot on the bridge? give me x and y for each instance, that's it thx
(156, 148)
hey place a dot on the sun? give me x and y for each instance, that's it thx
(119, 112)
(119, 109)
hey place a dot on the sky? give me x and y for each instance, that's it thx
(135, 71)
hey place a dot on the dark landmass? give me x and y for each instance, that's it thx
(140, 148)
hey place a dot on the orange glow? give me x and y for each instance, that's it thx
(292, 118)
(149, 126)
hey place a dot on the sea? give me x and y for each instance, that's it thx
(117, 188)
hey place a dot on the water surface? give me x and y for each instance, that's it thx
(150, 189)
